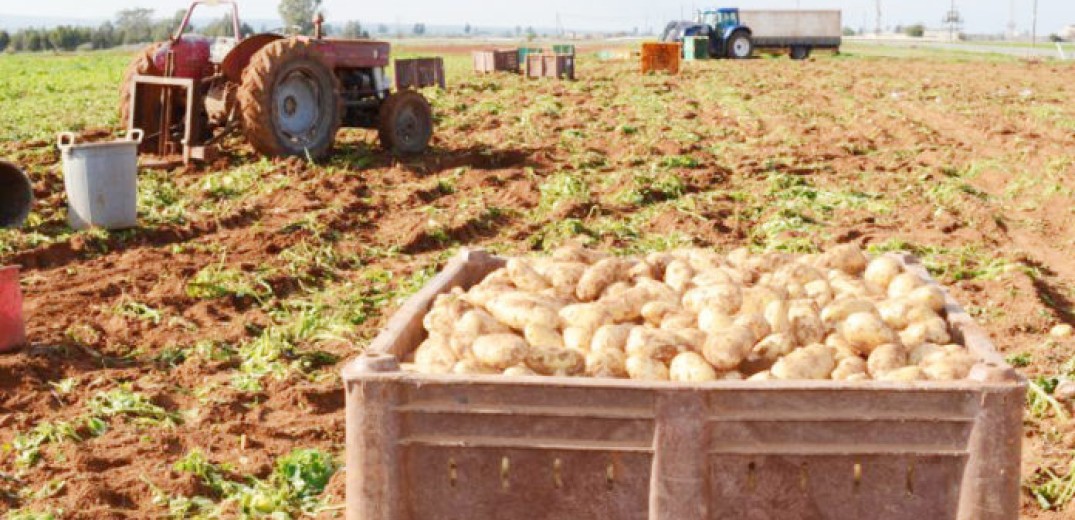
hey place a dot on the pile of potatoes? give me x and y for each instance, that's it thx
(695, 315)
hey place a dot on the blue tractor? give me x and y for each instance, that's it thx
(728, 37)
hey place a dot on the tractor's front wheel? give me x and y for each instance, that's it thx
(142, 64)
(406, 123)
(290, 101)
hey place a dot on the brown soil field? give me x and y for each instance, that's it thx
(251, 282)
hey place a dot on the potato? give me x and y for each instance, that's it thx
(645, 368)
(755, 323)
(805, 323)
(886, 358)
(881, 271)
(690, 367)
(848, 258)
(923, 351)
(756, 299)
(928, 296)
(777, 316)
(606, 363)
(517, 310)
(726, 297)
(836, 341)
(820, 292)
(693, 339)
(865, 331)
(611, 337)
(519, 371)
(555, 361)
(588, 316)
(679, 321)
(658, 344)
(903, 284)
(903, 374)
(543, 336)
(578, 338)
(849, 368)
(654, 312)
(726, 349)
(564, 277)
(498, 278)
(499, 351)
(895, 313)
(434, 356)
(812, 362)
(848, 288)
(839, 310)
(660, 261)
(951, 363)
(627, 306)
(600, 275)
(764, 375)
(643, 270)
(525, 277)
(471, 326)
(573, 253)
(713, 320)
(679, 276)
(704, 259)
(482, 295)
(713, 277)
(445, 312)
(934, 330)
(470, 367)
(773, 347)
(615, 291)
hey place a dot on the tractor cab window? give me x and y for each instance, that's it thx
(721, 19)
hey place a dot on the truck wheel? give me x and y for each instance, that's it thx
(290, 101)
(800, 52)
(142, 64)
(739, 46)
(405, 123)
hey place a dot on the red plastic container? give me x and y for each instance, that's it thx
(12, 328)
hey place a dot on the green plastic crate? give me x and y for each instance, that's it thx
(695, 48)
(526, 51)
(564, 49)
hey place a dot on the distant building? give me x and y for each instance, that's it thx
(1068, 33)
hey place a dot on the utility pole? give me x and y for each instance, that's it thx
(1034, 26)
(879, 17)
(1011, 21)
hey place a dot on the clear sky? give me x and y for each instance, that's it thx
(982, 16)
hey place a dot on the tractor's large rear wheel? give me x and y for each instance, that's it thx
(740, 46)
(290, 101)
(405, 123)
(141, 64)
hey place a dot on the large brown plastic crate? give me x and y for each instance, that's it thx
(425, 447)
(661, 57)
(420, 73)
(496, 61)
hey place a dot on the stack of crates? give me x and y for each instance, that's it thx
(695, 48)
(661, 57)
(526, 51)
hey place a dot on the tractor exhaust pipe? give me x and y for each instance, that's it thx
(16, 196)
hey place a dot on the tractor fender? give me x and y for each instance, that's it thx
(239, 57)
(738, 28)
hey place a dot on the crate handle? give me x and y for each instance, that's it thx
(136, 135)
(65, 140)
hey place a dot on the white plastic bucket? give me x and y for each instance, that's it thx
(16, 196)
(101, 181)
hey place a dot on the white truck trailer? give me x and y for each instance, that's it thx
(735, 33)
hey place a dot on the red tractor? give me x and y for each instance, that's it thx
(289, 95)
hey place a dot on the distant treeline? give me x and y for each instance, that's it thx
(131, 26)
